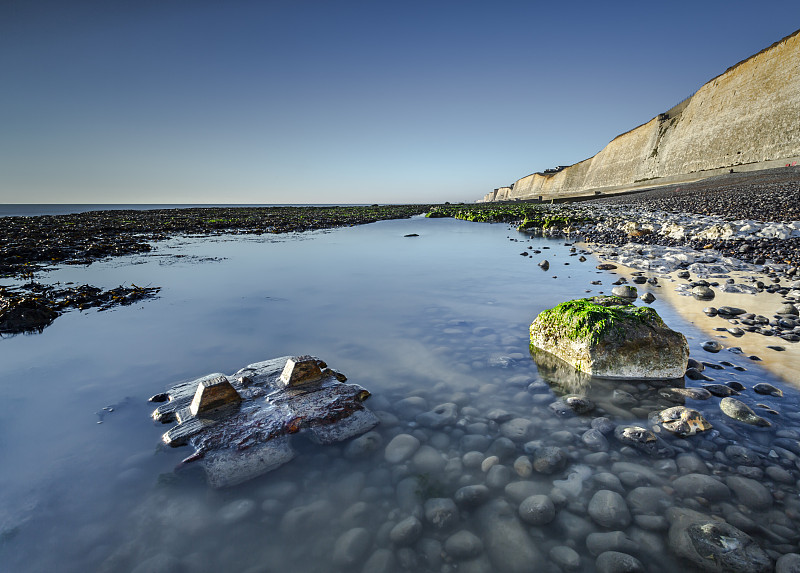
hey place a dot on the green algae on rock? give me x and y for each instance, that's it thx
(608, 337)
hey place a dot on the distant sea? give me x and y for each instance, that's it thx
(32, 210)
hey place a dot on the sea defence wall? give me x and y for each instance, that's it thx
(746, 116)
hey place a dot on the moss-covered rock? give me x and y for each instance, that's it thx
(608, 337)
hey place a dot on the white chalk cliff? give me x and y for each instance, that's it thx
(747, 116)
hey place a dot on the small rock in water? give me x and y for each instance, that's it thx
(616, 562)
(402, 447)
(627, 292)
(647, 297)
(764, 388)
(740, 411)
(608, 509)
(730, 311)
(441, 513)
(720, 390)
(710, 311)
(703, 293)
(548, 460)
(712, 346)
(545, 265)
(606, 267)
(637, 437)
(463, 545)
(680, 420)
(537, 510)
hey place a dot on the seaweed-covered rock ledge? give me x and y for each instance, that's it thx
(608, 337)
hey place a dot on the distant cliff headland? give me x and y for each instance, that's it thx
(746, 118)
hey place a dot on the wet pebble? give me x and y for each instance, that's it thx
(463, 545)
(537, 510)
(608, 509)
(400, 448)
(616, 562)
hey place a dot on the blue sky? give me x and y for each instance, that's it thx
(199, 101)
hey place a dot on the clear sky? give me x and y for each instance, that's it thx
(336, 101)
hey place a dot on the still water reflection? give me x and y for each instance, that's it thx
(419, 321)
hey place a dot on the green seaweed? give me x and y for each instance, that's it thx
(594, 318)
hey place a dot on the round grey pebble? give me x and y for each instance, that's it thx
(463, 545)
(406, 532)
(537, 510)
(616, 562)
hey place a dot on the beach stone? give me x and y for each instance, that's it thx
(400, 448)
(573, 526)
(489, 462)
(498, 477)
(679, 420)
(691, 463)
(428, 460)
(508, 545)
(472, 460)
(721, 390)
(710, 488)
(441, 416)
(788, 309)
(779, 474)
(381, 561)
(351, 547)
(603, 424)
(648, 500)
(236, 510)
(523, 466)
(475, 443)
(711, 346)
(637, 437)
(710, 311)
(595, 440)
(406, 532)
(503, 448)
(627, 292)
(471, 496)
(549, 460)
(651, 522)
(363, 446)
(642, 475)
(463, 545)
(565, 557)
(647, 297)
(742, 455)
(639, 345)
(616, 562)
(702, 292)
(600, 542)
(714, 546)
(537, 510)
(740, 411)
(768, 389)
(750, 492)
(789, 563)
(302, 518)
(517, 491)
(730, 310)
(518, 430)
(608, 509)
(411, 406)
(441, 513)
(606, 480)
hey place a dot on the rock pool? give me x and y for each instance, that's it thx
(471, 469)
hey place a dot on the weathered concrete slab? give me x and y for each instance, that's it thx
(240, 425)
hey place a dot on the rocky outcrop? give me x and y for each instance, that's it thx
(747, 115)
(609, 338)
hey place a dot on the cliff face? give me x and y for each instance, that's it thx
(749, 114)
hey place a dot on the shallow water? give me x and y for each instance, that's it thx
(441, 317)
